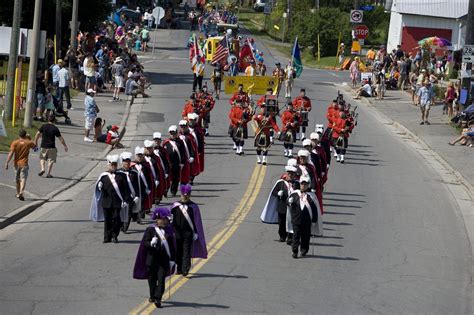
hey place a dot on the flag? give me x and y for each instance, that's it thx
(297, 64)
(246, 55)
(222, 51)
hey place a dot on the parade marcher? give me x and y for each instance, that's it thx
(340, 135)
(136, 187)
(279, 75)
(144, 171)
(189, 106)
(250, 70)
(159, 167)
(290, 76)
(198, 66)
(304, 216)
(110, 200)
(263, 98)
(240, 95)
(239, 117)
(156, 255)
(325, 142)
(148, 146)
(198, 133)
(261, 69)
(217, 76)
(187, 223)
(314, 159)
(263, 134)
(177, 155)
(289, 127)
(320, 151)
(162, 153)
(206, 105)
(275, 210)
(191, 149)
(302, 104)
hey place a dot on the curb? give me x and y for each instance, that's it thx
(23, 211)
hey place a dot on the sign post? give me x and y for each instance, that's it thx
(356, 16)
(466, 73)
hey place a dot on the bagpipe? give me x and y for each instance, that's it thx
(288, 135)
(261, 138)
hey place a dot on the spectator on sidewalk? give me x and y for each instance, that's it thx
(89, 72)
(90, 113)
(403, 66)
(365, 90)
(412, 81)
(117, 71)
(467, 136)
(355, 72)
(54, 72)
(449, 98)
(48, 133)
(371, 56)
(425, 96)
(133, 88)
(19, 151)
(63, 84)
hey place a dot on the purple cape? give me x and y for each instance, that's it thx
(199, 246)
(140, 271)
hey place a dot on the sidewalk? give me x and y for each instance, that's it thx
(398, 107)
(71, 166)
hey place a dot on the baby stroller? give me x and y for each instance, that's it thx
(465, 117)
(59, 111)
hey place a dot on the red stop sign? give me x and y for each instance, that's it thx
(361, 31)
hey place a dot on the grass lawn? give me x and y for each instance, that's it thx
(13, 133)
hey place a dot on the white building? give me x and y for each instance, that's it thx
(413, 20)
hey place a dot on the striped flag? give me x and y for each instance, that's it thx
(296, 59)
(222, 51)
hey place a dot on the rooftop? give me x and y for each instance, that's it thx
(452, 9)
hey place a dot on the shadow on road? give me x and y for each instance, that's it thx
(193, 305)
(326, 245)
(342, 194)
(214, 275)
(341, 206)
(336, 223)
(333, 257)
(338, 213)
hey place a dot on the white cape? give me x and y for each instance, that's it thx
(316, 229)
(96, 212)
(269, 213)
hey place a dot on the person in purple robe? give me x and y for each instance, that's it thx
(189, 232)
(156, 254)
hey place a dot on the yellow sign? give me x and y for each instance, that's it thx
(276, 27)
(355, 49)
(252, 85)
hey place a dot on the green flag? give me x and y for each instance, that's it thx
(296, 58)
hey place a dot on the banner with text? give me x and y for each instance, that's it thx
(252, 85)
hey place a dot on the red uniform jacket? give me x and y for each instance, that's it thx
(271, 124)
(340, 125)
(242, 96)
(236, 116)
(188, 108)
(302, 102)
(289, 121)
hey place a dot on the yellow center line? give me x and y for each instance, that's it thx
(230, 226)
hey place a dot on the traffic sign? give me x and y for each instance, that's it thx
(267, 9)
(356, 16)
(468, 53)
(367, 7)
(361, 31)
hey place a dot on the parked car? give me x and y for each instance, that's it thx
(259, 5)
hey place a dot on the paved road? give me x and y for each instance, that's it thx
(394, 241)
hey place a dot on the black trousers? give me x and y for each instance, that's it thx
(282, 225)
(288, 145)
(112, 223)
(301, 237)
(64, 92)
(197, 81)
(184, 245)
(175, 176)
(156, 281)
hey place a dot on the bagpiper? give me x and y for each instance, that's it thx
(290, 124)
(206, 105)
(239, 96)
(263, 134)
(302, 104)
(239, 116)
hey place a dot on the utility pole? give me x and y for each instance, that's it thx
(316, 4)
(31, 94)
(58, 28)
(75, 12)
(12, 59)
(356, 4)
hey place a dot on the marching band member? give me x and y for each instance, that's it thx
(240, 95)
(302, 104)
(175, 149)
(262, 136)
(279, 75)
(190, 106)
(290, 124)
(239, 117)
(261, 100)
(187, 224)
(340, 134)
(206, 105)
(289, 79)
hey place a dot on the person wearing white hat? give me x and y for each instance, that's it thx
(314, 158)
(110, 201)
(307, 169)
(136, 189)
(275, 210)
(177, 156)
(117, 70)
(157, 171)
(146, 177)
(198, 134)
(191, 149)
(304, 215)
(321, 153)
(161, 152)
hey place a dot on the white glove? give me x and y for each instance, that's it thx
(157, 183)
(191, 160)
(271, 139)
(313, 190)
(291, 200)
(195, 237)
(154, 241)
(280, 193)
(100, 185)
(166, 175)
(148, 191)
(136, 200)
(181, 165)
(124, 204)
(172, 264)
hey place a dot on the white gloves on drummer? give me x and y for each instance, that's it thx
(195, 237)
(100, 185)
(191, 160)
(154, 241)
(280, 193)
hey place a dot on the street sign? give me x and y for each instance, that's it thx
(356, 16)
(367, 8)
(267, 9)
(361, 31)
(158, 13)
(468, 53)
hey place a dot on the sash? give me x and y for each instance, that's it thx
(148, 160)
(183, 137)
(175, 148)
(164, 242)
(194, 135)
(116, 187)
(184, 210)
(129, 183)
(142, 176)
(157, 153)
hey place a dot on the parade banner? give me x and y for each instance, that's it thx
(253, 85)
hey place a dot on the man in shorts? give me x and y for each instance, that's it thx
(117, 71)
(425, 97)
(48, 133)
(90, 113)
(19, 151)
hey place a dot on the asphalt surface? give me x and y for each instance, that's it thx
(393, 243)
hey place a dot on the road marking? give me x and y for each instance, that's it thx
(231, 225)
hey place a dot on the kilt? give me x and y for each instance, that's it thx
(235, 133)
(288, 136)
(262, 141)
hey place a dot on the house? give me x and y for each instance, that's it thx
(413, 20)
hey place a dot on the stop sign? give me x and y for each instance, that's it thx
(361, 31)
